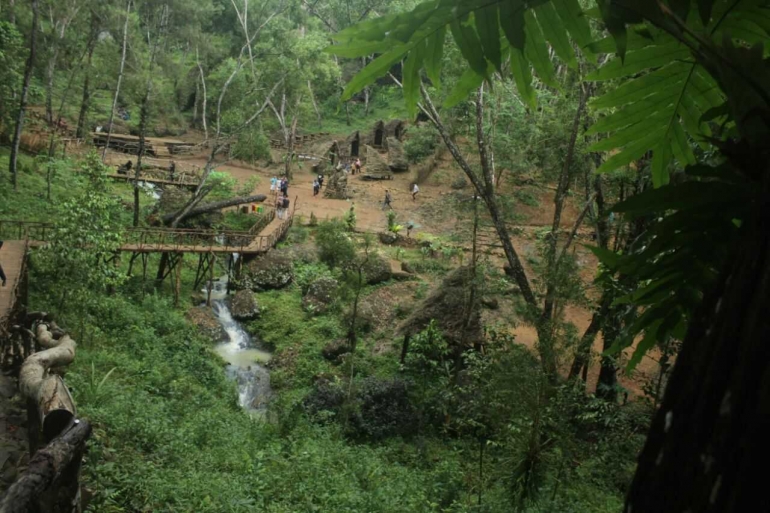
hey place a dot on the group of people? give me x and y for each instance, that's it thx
(280, 188)
(317, 184)
(388, 203)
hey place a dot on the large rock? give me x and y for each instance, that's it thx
(320, 295)
(337, 186)
(207, 323)
(243, 306)
(272, 271)
(376, 166)
(388, 238)
(448, 305)
(397, 160)
(333, 350)
(377, 269)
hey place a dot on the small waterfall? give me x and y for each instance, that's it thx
(247, 362)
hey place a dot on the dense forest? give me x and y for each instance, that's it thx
(385, 255)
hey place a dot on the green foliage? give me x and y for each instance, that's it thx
(350, 220)
(335, 247)
(11, 68)
(85, 236)
(306, 274)
(421, 143)
(252, 146)
(676, 259)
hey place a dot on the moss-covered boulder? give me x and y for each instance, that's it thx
(207, 323)
(270, 272)
(333, 350)
(449, 305)
(320, 295)
(377, 269)
(243, 306)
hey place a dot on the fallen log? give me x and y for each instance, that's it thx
(211, 207)
(56, 465)
(48, 392)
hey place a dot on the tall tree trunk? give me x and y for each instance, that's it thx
(85, 103)
(515, 268)
(144, 115)
(12, 8)
(24, 95)
(205, 95)
(143, 120)
(120, 79)
(547, 321)
(290, 148)
(315, 103)
(366, 93)
(708, 441)
(49, 73)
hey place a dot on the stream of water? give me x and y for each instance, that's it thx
(246, 359)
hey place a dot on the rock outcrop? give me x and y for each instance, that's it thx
(397, 160)
(337, 186)
(377, 269)
(207, 323)
(320, 295)
(272, 271)
(243, 306)
(376, 166)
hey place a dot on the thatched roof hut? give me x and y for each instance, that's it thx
(448, 305)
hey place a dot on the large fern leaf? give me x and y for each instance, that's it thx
(484, 30)
(661, 106)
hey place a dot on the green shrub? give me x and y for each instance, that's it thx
(421, 143)
(252, 146)
(335, 247)
(306, 274)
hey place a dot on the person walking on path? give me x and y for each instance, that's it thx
(415, 190)
(388, 200)
(273, 185)
(285, 187)
(320, 181)
(279, 206)
(316, 187)
(2, 273)
(358, 166)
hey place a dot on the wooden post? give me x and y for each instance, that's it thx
(211, 278)
(178, 281)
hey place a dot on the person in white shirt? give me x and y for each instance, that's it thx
(415, 190)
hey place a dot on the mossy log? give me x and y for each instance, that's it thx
(51, 478)
(212, 207)
(54, 403)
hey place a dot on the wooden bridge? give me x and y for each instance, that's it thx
(173, 244)
(155, 146)
(262, 237)
(13, 259)
(188, 184)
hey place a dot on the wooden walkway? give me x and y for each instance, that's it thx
(154, 181)
(12, 260)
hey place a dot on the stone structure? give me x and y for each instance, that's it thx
(337, 186)
(397, 160)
